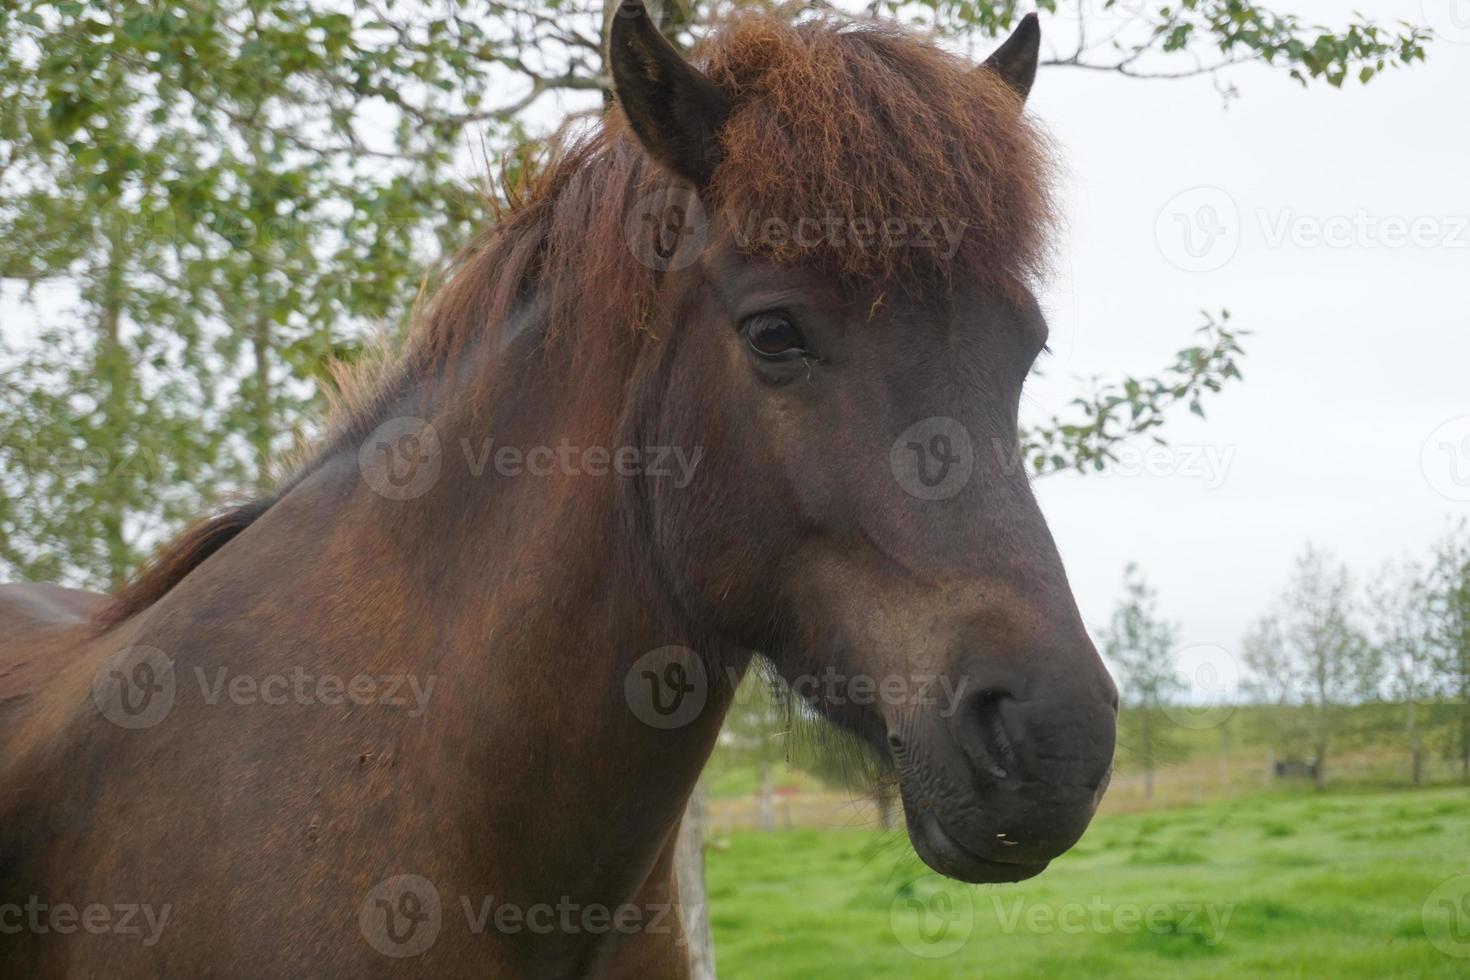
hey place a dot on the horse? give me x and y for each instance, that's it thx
(735, 374)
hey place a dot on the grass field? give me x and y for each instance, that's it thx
(1303, 885)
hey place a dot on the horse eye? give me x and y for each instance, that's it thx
(774, 337)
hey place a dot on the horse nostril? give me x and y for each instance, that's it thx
(984, 737)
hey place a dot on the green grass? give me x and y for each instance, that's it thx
(1271, 885)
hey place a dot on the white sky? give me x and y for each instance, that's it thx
(1359, 352)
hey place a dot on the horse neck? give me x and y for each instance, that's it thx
(534, 594)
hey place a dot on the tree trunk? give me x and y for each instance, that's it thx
(262, 415)
(1148, 755)
(693, 897)
(262, 424)
(114, 366)
(887, 808)
(1319, 774)
(1464, 724)
(1415, 749)
(766, 799)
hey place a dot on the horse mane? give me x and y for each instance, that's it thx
(832, 120)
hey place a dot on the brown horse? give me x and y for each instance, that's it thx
(738, 372)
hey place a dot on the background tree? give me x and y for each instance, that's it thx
(1139, 645)
(1324, 647)
(1447, 598)
(1270, 684)
(1398, 603)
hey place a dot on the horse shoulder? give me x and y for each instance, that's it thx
(38, 636)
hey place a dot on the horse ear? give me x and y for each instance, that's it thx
(673, 108)
(1015, 60)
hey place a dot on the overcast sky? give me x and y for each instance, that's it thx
(1352, 428)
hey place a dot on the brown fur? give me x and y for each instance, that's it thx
(859, 122)
(853, 120)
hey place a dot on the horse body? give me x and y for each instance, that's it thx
(388, 721)
(264, 818)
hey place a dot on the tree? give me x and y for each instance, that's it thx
(1270, 684)
(200, 182)
(1140, 647)
(1192, 37)
(755, 734)
(1399, 604)
(1447, 598)
(1324, 647)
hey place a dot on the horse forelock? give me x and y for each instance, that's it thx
(883, 159)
